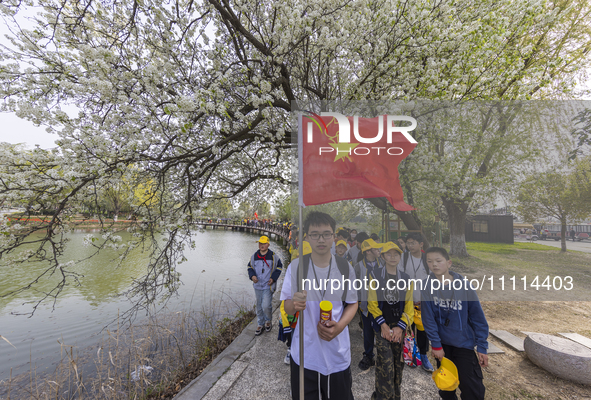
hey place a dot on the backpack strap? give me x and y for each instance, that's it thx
(344, 269)
(424, 259)
(405, 259)
(306, 261)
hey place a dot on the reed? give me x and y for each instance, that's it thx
(152, 359)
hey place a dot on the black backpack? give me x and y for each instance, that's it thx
(423, 259)
(342, 264)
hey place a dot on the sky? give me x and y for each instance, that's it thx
(16, 130)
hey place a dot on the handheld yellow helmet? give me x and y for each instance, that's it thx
(446, 376)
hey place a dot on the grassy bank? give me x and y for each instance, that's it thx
(213, 345)
(512, 375)
(503, 248)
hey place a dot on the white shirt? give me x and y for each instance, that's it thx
(320, 355)
(354, 253)
(416, 270)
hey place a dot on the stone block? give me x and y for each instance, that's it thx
(509, 339)
(577, 338)
(562, 357)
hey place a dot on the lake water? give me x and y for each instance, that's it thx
(215, 271)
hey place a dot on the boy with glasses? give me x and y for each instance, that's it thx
(327, 356)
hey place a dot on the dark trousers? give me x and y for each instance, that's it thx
(389, 366)
(469, 372)
(422, 340)
(368, 336)
(336, 386)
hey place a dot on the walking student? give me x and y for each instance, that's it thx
(264, 269)
(402, 244)
(288, 322)
(341, 248)
(327, 351)
(414, 264)
(352, 236)
(342, 235)
(391, 307)
(353, 252)
(369, 264)
(455, 324)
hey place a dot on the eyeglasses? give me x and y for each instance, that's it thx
(325, 235)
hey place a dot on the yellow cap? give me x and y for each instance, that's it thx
(341, 242)
(307, 250)
(263, 240)
(389, 246)
(446, 376)
(370, 244)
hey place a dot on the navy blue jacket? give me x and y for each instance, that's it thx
(467, 326)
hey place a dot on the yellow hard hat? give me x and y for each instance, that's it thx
(446, 376)
(370, 244)
(341, 242)
(307, 250)
(389, 246)
(263, 239)
(307, 247)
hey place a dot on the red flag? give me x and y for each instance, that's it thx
(255, 215)
(340, 162)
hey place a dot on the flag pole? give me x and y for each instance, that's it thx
(301, 316)
(301, 248)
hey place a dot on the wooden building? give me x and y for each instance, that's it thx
(489, 228)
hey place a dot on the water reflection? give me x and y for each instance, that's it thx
(214, 273)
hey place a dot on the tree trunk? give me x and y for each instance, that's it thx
(412, 225)
(563, 235)
(456, 211)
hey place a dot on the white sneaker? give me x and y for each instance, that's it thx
(287, 356)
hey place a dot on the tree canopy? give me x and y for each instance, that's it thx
(562, 195)
(196, 96)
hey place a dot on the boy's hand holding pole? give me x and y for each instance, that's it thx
(299, 300)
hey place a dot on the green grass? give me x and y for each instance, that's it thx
(503, 248)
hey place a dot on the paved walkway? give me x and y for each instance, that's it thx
(261, 374)
(253, 368)
(584, 246)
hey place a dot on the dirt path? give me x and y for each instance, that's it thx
(512, 375)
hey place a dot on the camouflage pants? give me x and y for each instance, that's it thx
(389, 365)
